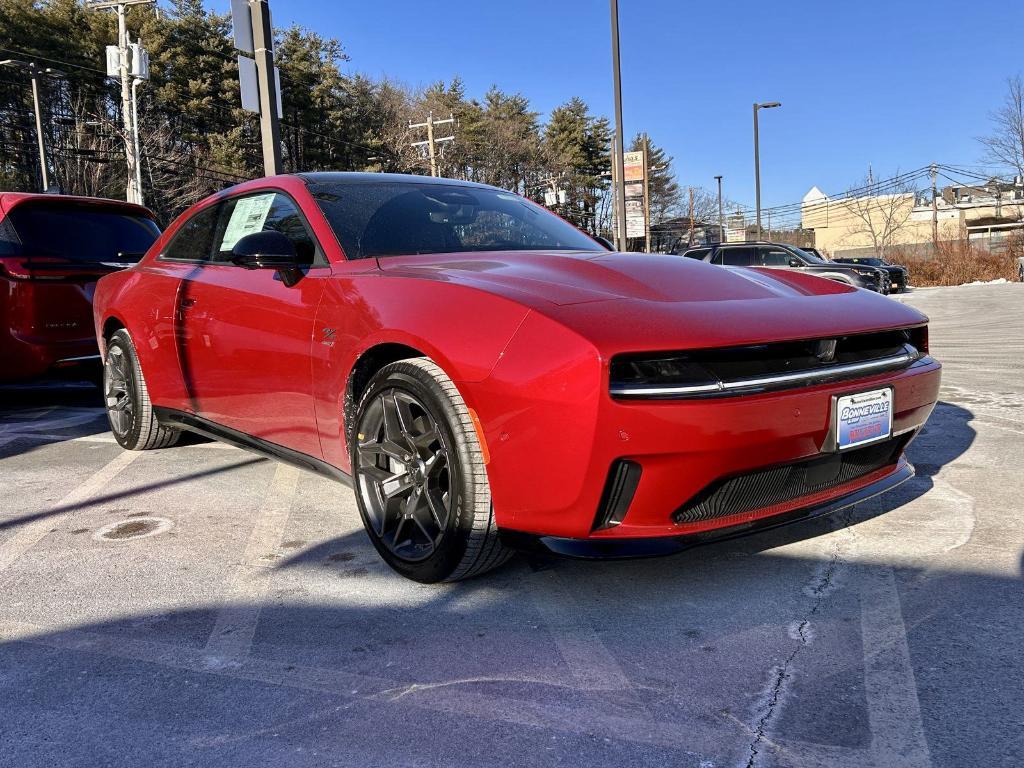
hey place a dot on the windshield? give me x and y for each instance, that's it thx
(81, 233)
(400, 218)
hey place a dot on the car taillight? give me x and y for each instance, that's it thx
(42, 268)
(919, 338)
(16, 267)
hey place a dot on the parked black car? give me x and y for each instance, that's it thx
(782, 256)
(899, 276)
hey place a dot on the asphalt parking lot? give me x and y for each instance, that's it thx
(202, 606)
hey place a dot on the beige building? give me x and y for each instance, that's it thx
(875, 224)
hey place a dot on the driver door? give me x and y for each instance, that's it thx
(247, 335)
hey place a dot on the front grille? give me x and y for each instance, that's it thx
(781, 484)
(763, 367)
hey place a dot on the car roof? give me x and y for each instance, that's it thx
(355, 177)
(8, 200)
(740, 245)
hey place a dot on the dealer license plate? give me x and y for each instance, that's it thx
(863, 418)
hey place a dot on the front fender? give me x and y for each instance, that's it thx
(462, 329)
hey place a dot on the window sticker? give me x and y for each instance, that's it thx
(249, 216)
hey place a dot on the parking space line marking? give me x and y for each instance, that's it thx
(29, 535)
(591, 663)
(238, 616)
(894, 711)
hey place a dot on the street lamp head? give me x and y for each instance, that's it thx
(769, 105)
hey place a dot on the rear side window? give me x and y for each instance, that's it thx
(263, 211)
(774, 257)
(700, 253)
(735, 257)
(78, 233)
(194, 239)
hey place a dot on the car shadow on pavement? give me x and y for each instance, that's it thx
(39, 413)
(773, 645)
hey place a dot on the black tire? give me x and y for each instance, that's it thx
(129, 410)
(419, 476)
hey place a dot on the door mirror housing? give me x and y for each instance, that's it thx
(605, 242)
(795, 262)
(265, 250)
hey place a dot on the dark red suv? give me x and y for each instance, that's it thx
(53, 249)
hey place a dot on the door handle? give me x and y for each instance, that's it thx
(187, 302)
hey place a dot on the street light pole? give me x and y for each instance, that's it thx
(721, 220)
(618, 158)
(757, 161)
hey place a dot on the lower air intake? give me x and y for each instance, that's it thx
(619, 488)
(778, 485)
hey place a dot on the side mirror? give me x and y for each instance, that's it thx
(795, 263)
(265, 250)
(605, 242)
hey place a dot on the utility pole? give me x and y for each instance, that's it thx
(263, 50)
(647, 194)
(136, 82)
(133, 188)
(618, 157)
(35, 72)
(721, 218)
(691, 218)
(757, 161)
(935, 208)
(432, 142)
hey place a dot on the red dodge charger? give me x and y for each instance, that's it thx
(486, 376)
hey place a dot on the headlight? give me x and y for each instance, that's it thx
(645, 376)
(874, 274)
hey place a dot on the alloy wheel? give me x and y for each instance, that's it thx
(117, 390)
(404, 474)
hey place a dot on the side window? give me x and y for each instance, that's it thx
(700, 253)
(774, 257)
(194, 239)
(263, 211)
(735, 257)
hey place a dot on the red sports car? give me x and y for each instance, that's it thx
(486, 376)
(53, 248)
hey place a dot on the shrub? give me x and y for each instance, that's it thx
(958, 261)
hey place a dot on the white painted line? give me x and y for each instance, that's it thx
(590, 662)
(235, 627)
(27, 536)
(894, 712)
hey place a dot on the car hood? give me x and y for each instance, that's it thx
(568, 278)
(635, 300)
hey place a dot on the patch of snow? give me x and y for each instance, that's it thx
(997, 281)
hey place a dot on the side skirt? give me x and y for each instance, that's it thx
(192, 423)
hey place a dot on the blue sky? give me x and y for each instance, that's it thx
(895, 83)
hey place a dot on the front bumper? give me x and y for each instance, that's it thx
(552, 457)
(610, 549)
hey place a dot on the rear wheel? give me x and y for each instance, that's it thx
(129, 410)
(420, 479)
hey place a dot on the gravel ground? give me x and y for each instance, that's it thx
(202, 606)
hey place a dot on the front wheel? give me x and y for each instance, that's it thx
(420, 478)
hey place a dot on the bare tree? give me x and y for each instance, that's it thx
(1005, 145)
(880, 215)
